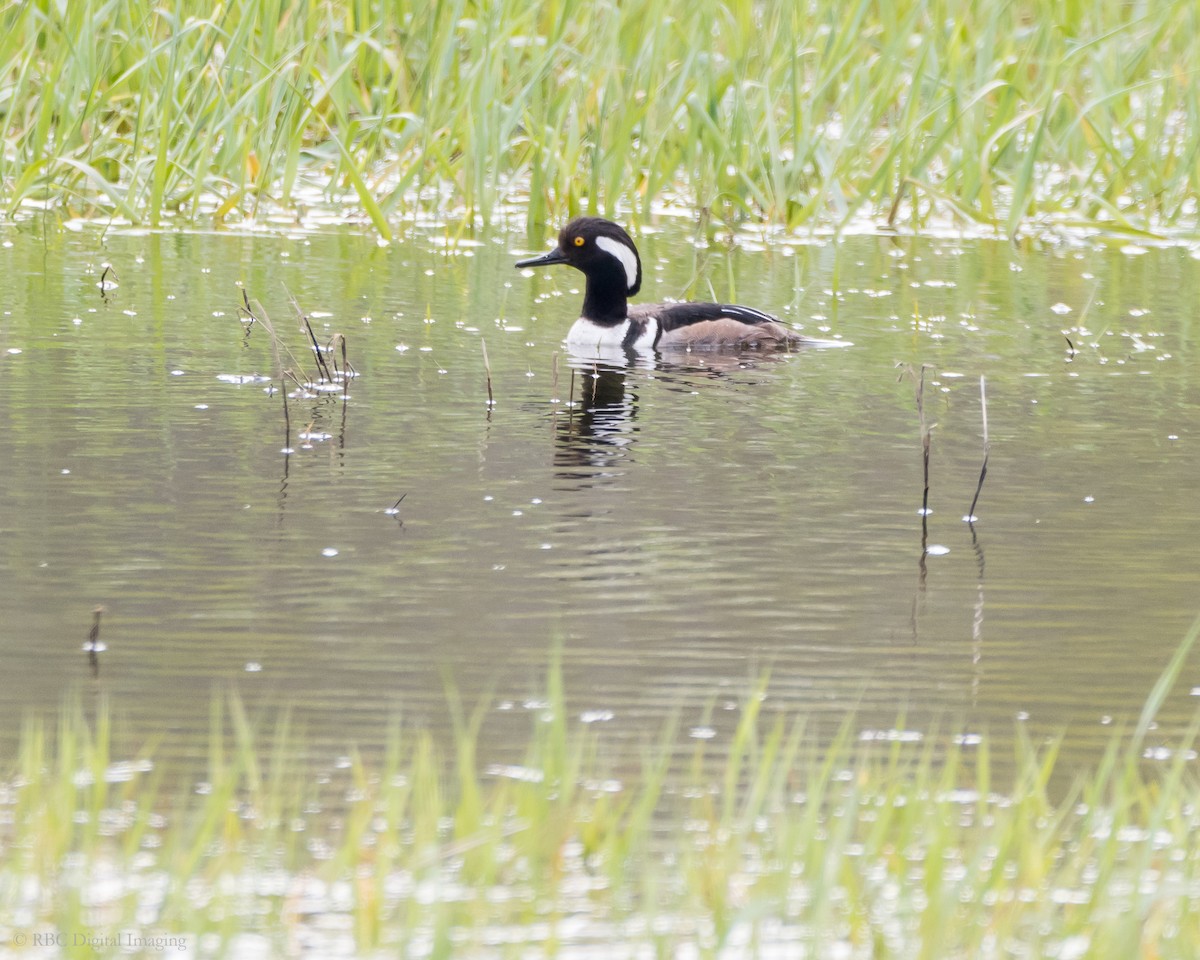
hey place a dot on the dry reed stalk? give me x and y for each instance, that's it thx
(987, 447)
(93, 646)
(487, 367)
(926, 449)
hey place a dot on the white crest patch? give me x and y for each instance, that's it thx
(625, 254)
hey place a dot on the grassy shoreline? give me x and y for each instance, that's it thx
(863, 848)
(1012, 117)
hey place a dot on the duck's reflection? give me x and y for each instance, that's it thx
(594, 434)
(596, 430)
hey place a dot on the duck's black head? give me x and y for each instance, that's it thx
(602, 250)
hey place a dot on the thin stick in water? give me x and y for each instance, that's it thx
(323, 372)
(926, 444)
(287, 417)
(987, 447)
(487, 367)
(260, 315)
(394, 509)
(104, 285)
(347, 366)
(93, 646)
(331, 346)
(338, 342)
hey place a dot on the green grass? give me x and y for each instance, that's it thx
(1012, 116)
(856, 847)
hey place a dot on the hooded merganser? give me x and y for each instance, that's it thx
(606, 255)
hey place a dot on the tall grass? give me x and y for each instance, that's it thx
(821, 112)
(789, 847)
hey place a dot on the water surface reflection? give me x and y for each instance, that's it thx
(677, 526)
(596, 432)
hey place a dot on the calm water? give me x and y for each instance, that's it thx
(678, 528)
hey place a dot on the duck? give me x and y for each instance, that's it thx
(608, 258)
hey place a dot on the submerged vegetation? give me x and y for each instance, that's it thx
(870, 846)
(1008, 116)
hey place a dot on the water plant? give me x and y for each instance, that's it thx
(1005, 116)
(786, 844)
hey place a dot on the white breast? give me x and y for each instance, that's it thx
(585, 335)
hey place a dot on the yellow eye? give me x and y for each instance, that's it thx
(579, 241)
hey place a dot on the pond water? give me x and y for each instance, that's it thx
(678, 529)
